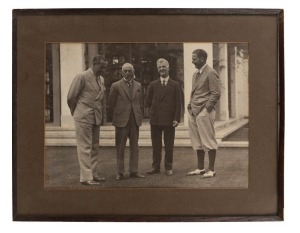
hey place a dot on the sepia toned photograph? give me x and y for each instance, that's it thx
(146, 115)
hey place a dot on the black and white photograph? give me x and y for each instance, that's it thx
(146, 115)
(163, 113)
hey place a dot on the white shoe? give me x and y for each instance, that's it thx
(196, 172)
(209, 174)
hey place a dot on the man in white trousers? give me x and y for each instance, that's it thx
(204, 96)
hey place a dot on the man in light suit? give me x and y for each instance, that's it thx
(204, 96)
(125, 103)
(164, 101)
(85, 99)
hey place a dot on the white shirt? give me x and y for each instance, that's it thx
(128, 82)
(164, 79)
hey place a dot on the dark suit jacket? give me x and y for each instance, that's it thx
(164, 102)
(121, 104)
(85, 98)
(206, 91)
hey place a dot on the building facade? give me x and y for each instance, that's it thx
(65, 60)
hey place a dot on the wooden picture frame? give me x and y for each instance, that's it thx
(262, 29)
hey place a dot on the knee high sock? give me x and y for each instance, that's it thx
(200, 156)
(212, 158)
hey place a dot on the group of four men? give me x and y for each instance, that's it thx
(85, 100)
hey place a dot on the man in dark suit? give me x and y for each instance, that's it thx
(85, 99)
(125, 103)
(205, 94)
(164, 101)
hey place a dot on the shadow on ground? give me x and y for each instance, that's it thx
(62, 169)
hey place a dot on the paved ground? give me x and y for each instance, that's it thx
(62, 169)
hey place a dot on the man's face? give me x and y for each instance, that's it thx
(197, 61)
(128, 73)
(99, 68)
(163, 69)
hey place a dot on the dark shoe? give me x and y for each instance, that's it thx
(153, 171)
(136, 175)
(99, 179)
(90, 182)
(169, 172)
(120, 177)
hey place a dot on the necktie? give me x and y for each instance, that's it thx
(129, 84)
(196, 79)
(164, 83)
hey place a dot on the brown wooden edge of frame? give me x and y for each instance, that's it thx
(279, 13)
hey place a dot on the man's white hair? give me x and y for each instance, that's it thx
(162, 60)
(127, 65)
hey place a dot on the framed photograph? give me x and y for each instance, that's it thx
(148, 115)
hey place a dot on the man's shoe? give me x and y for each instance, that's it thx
(209, 174)
(136, 175)
(120, 177)
(196, 172)
(90, 182)
(153, 171)
(99, 179)
(169, 172)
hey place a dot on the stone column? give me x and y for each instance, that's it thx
(223, 111)
(56, 84)
(92, 52)
(233, 86)
(241, 73)
(71, 63)
(189, 69)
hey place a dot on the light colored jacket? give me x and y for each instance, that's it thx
(85, 98)
(205, 92)
(121, 103)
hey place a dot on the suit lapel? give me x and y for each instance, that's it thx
(197, 82)
(101, 89)
(125, 88)
(135, 88)
(159, 87)
(165, 89)
(94, 83)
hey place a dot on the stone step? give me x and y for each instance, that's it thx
(229, 129)
(146, 127)
(57, 136)
(143, 142)
(109, 134)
